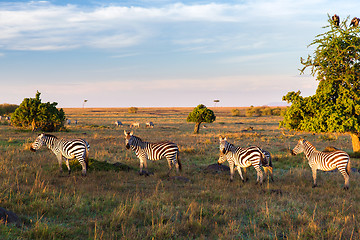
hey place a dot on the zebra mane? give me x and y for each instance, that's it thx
(309, 144)
(49, 135)
(137, 138)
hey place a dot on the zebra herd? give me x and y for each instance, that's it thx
(237, 157)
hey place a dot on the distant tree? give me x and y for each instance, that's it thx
(199, 115)
(6, 108)
(133, 110)
(39, 116)
(335, 107)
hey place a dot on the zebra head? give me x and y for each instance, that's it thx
(299, 148)
(222, 158)
(38, 143)
(223, 145)
(128, 139)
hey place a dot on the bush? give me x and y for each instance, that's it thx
(133, 110)
(6, 109)
(264, 111)
(236, 112)
(40, 116)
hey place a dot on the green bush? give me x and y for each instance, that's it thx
(39, 116)
(133, 110)
(236, 112)
(6, 109)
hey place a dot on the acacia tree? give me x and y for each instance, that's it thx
(335, 107)
(199, 115)
(43, 116)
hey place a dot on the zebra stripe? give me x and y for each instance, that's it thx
(70, 149)
(153, 151)
(325, 161)
(242, 158)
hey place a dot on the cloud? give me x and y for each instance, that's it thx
(41, 25)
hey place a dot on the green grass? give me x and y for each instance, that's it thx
(114, 202)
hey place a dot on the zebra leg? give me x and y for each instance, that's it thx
(68, 165)
(143, 164)
(314, 177)
(231, 171)
(83, 165)
(59, 158)
(170, 162)
(240, 173)
(346, 177)
(245, 174)
(259, 174)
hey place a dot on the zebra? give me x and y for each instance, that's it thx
(70, 149)
(118, 123)
(242, 158)
(149, 125)
(325, 161)
(134, 125)
(153, 151)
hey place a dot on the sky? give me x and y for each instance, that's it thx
(160, 53)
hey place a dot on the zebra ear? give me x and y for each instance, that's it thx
(225, 139)
(131, 133)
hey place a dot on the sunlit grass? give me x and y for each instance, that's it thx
(114, 202)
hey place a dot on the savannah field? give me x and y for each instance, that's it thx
(114, 202)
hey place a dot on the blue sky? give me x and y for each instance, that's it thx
(159, 53)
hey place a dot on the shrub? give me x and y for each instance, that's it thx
(40, 116)
(6, 108)
(236, 112)
(133, 110)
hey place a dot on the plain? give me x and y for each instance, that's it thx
(114, 202)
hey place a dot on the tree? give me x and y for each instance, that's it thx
(335, 107)
(199, 115)
(40, 116)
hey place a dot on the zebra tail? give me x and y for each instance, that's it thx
(348, 167)
(178, 161)
(87, 158)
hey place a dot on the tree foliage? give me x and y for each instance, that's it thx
(6, 108)
(335, 63)
(199, 115)
(40, 116)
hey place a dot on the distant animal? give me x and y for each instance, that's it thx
(336, 20)
(0, 118)
(76, 122)
(68, 121)
(153, 151)
(134, 125)
(150, 124)
(325, 161)
(70, 149)
(268, 164)
(7, 118)
(355, 22)
(118, 123)
(242, 158)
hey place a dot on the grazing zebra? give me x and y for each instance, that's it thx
(242, 158)
(153, 151)
(70, 149)
(325, 161)
(150, 124)
(118, 123)
(134, 125)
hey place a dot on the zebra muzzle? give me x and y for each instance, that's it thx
(127, 146)
(32, 149)
(292, 152)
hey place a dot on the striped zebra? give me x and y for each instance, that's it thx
(242, 158)
(325, 161)
(153, 151)
(70, 149)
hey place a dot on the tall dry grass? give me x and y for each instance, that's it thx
(109, 204)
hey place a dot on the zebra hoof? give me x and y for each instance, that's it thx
(346, 188)
(314, 185)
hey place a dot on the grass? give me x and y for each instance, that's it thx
(114, 202)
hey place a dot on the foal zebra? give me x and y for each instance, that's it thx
(325, 161)
(242, 158)
(70, 149)
(153, 151)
